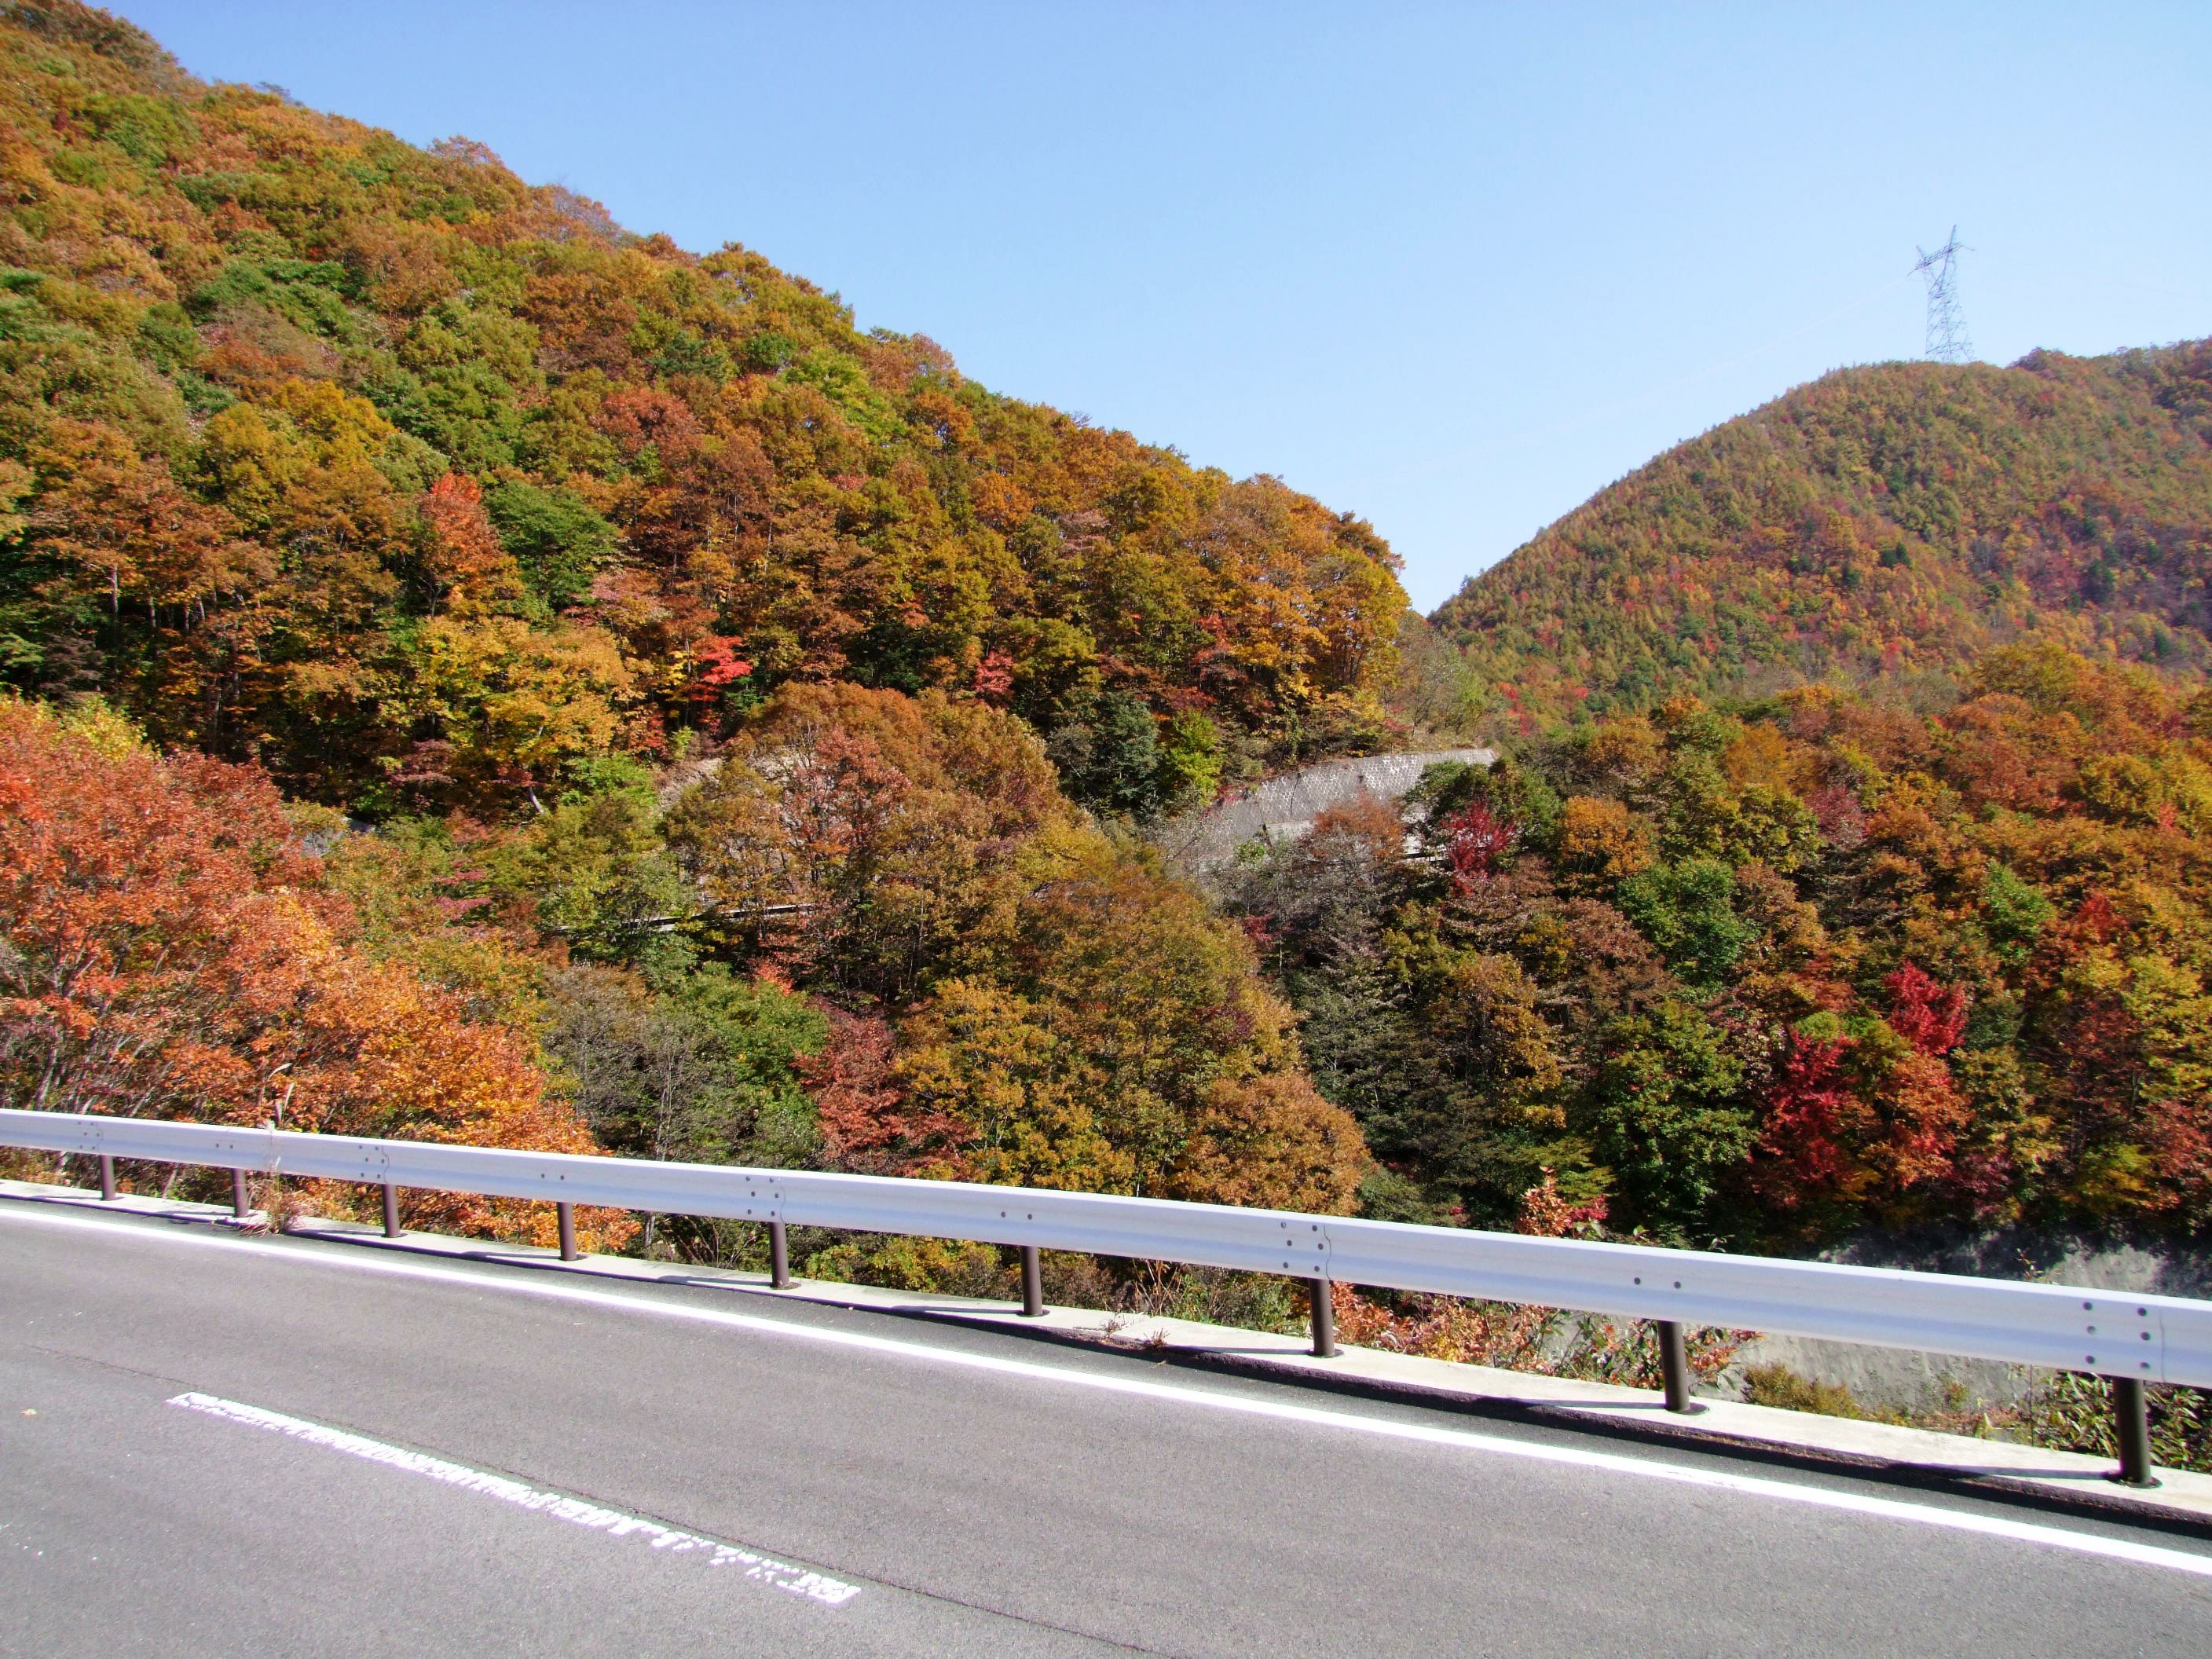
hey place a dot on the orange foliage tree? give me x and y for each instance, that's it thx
(169, 953)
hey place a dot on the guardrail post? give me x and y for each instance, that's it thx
(568, 1214)
(1675, 1367)
(391, 1211)
(1323, 1296)
(2132, 1419)
(1032, 1283)
(779, 1257)
(240, 1206)
(107, 1179)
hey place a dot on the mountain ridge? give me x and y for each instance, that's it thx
(1881, 521)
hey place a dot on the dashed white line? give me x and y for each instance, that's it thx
(1889, 1509)
(796, 1580)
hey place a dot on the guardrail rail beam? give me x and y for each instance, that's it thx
(2134, 1340)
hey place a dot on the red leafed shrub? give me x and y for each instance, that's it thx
(1801, 1144)
(868, 1124)
(1930, 1016)
(1475, 839)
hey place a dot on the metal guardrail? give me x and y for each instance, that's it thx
(2131, 1339)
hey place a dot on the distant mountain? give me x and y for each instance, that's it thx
(1893, 520)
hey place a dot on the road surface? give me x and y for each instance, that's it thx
(217, 1444)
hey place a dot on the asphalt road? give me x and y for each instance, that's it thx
(212, 1444)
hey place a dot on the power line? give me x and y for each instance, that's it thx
(1947, 321)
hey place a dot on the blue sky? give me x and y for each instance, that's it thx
(1450, 267)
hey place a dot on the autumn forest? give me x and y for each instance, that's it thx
(475, 672)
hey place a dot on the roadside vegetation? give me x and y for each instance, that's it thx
(470, 671)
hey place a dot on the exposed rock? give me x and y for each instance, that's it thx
(1283, 808)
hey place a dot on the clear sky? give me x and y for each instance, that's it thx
(1451, 268)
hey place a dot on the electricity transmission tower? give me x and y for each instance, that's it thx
(1947, 322)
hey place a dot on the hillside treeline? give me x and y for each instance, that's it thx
(1768, 972)
(426, 487)
(874, 936)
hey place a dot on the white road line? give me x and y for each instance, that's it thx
(798, 1581)
(1891, 1509)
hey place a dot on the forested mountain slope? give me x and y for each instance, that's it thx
(468, 671)
(425, 486)
(713, 691)
(1884, 521)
